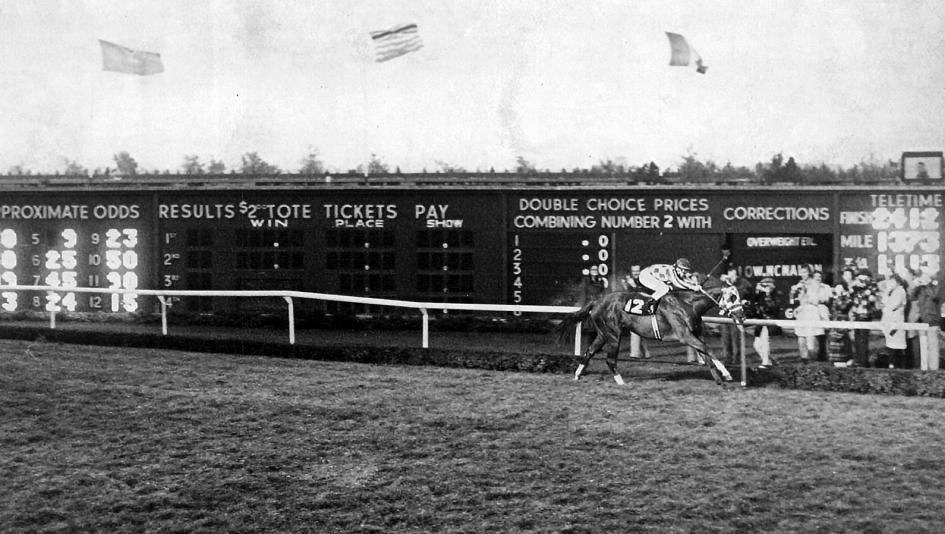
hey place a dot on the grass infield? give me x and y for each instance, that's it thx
(131, 440)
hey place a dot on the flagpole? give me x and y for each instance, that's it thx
(364, 121)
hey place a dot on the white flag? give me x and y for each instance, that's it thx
(681, 53)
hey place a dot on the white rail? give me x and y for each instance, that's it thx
(423, 307)
(929, 342)
(928, 335)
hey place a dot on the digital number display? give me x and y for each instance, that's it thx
(546, 268)
(67, 245)
(886, 233)
(67, 258)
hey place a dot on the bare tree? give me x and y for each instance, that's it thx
(311, 164)
(192, 164)
(524, 166)
(253, 164)
(375, 166)
(448, 167)
(216, 167)
(74, 169)
(127, 166)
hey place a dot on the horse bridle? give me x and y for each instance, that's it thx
(725, 309)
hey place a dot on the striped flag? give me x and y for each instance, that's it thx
(395, 42)
(681, 53)
(119, 58)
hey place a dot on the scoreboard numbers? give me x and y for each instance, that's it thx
(545, 267)
(69, 257)
(9, 300)
(907, 238)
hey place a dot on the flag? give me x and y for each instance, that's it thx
(122, 59)
(681, 53)
(395, 42)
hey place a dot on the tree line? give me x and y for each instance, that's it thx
(692, 169)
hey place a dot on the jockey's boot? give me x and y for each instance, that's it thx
(649, 307)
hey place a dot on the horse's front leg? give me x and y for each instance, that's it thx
(716, 367)
(612, 350)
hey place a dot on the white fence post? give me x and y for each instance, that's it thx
(425, 341)
(577, 339)
(933, 349)
(163, 301)
(742, 351)
(291, 320)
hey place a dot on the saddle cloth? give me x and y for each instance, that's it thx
(634, 306)
(635, 302)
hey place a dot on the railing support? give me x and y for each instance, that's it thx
(291, 320)
(52, 315)
(743, 351)
(577, 339)
(425, 342)
(928, 344)
(163, 301)
(933, 348)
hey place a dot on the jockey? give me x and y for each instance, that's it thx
(662, 277)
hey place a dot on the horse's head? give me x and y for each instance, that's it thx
(728, 296)
(730, 304)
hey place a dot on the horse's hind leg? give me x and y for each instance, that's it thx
(588, 354)
(716, 367)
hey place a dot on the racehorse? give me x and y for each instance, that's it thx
(678, 318)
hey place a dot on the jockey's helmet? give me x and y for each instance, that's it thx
(683, 268)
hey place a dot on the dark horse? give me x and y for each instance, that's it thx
(678, 318)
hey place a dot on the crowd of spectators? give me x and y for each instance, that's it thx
(906, 295)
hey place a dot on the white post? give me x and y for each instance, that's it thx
(742, 350)
(291, 320)
(52, 317)
(932, 341)
(923, 338)
(426, 328)
(163, 301)
(577, 340)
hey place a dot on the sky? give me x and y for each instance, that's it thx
(563, 84)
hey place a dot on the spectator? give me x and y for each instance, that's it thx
(841, 341)
(765, 304)
(923, 308)
(821, 295)
(724, 264)
(801, 285)
(805, 296)
(807, 311)
(894, 307)
(731, 342)
(863, 294)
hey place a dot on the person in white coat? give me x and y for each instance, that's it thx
(894, 312)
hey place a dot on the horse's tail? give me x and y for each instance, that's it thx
(565, 329)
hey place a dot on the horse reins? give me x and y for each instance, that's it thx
(717, 303)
